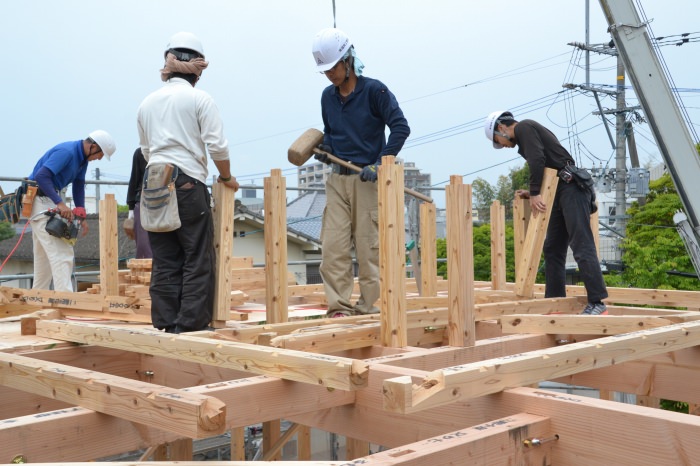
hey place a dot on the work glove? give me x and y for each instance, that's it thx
(323, 158)
(369, 173)
(129, 226)
(79, 212)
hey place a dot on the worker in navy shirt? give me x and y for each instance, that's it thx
(132, 225)
(62, 165)
(356, 111)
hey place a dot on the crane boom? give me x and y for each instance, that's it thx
(662, 110)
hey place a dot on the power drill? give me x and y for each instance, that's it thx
(62, 228)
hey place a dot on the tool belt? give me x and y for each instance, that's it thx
(18, 204)
(341, 170)
(159, 212)
(582, 179)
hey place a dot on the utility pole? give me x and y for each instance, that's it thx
(620, 157)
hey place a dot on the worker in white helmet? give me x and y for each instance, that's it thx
(356, 111)
(574, 201)
(63, 164)
(177, 126)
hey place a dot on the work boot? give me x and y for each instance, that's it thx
(339, 313)
(595, 309)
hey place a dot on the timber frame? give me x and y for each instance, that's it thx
(446, 376)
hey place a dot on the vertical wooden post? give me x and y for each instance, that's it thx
(355, 448)
(428, 249)
(238, 444)
(460, 263)
(275, 205)
(521, 218)
(304, 443)
(271, 434)
(534, 240)
(498, 246)
(109, 247)
(392, 254)
(224, 206)
(181, 450)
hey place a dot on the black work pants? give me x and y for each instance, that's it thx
(182, 276)
(570, 225)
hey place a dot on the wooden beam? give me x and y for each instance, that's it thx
(355, 448)
(304, 443)
(109, 250)
(276, 247)
(328, 371)
(581, 325)
(238, 444)
(187, 414)
(223, 213)
(460, 263)
(428, 249)
(392, 254)
(521, 219)
(481, 444)
(491, 376)
(534, 239)
(498, 246)
(270, 440)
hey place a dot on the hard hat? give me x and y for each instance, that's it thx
(492, 122)
(105, 141)
(329, 47)
(185, 40)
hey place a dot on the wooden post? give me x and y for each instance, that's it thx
(355, 448)
(224, 206)
(271, 435)
(109, 247)
(304, 443)
(392, 254)
(276, 247)
(238, 444)
(428, 249)
(534, 240)
(460, 263)
(498, 246)
(521, 218)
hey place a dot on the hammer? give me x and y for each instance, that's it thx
(305, 146)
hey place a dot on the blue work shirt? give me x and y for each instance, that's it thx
(68, 164)
(355, 129)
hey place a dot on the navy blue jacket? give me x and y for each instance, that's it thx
(355, 130)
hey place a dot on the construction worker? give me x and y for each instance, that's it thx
(62, 165)
(569, 224)
(132, 225)
(177, 125)
(356, 111)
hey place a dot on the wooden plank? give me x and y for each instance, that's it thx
(241, 262)
(276, 247)
(392, 254)
(328, 371)
(428, 249)
(578, 324)
(534, 239)
(238, 444)
(304, 443)
(356, 448)
(109, 246)
(270, 440)
(521, 219)
(496, 442)
(223, 214)
(498, 246)
(460, 263)
(187, 414)
(491, 376)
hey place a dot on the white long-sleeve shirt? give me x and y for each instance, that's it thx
(177, 124)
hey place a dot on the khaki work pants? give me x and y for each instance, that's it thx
(350, 221)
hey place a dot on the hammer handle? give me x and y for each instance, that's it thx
(353, 167)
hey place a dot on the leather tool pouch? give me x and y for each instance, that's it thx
(159, 211)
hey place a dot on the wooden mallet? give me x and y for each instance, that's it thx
(306, 145)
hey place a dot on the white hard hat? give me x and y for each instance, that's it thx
(492, 122)
(185, 40)
(329, 47)
(105, 141)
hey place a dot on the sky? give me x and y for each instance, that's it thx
(72, 66)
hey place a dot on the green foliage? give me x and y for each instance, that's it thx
(122, 208)
(6, 230)
(677, 406)
(483, 196)
(653, 246)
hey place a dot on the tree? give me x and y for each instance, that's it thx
(6, 230)
(653, 246)
(484, 194)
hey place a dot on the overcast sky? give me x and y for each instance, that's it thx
(72, 66)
